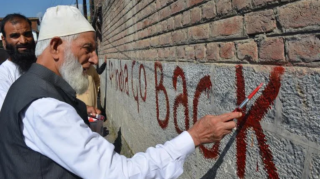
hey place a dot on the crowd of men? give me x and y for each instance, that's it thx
(44, 129)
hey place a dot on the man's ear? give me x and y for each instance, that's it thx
(55, 47)
(3, 42)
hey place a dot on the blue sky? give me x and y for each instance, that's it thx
(32, 8)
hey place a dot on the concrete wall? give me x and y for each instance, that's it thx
(171, 62)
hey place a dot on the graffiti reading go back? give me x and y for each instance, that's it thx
(251, 120)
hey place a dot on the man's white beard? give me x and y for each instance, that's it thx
(72, 71)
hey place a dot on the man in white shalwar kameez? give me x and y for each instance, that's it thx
(18, 41)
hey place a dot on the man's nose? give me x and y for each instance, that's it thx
(94, 58)
(23, 39)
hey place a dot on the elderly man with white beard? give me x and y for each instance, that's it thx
(43, 131)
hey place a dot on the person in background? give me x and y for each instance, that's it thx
(103, 66)
(18, 41)
(43, 131)
(89, 97)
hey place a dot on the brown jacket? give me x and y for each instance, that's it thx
(90, 96)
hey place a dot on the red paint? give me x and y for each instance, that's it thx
(135, 95)
(110, 71)
(159, 87)
(121, 80)
(252, 120)
(121, 77)
(145, 82)
(180, 99)
(117, 79)
(242, 134)
(126, 80)
(204, 85)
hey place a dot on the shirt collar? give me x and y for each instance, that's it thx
(51, 77)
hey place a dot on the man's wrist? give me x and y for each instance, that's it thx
(194, 137)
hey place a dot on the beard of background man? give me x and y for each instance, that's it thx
(23, 59)
(72, 71)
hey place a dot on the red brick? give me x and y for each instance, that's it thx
(213, 51)
(186, 18)
(142, 34)
(227, 50)
(195, 15)
(299, 15)
(303, 49)
(159, 28)
(223, 7)
(154, 18)
(180, 52)
(242, 4)
(139, 26)
(131, 29)
(164, 26)
(151, 54)
(172, 52)
(209, 10)
(167, 53)
(178, 21)
(199, 32)
(150, 32)
(143, 43)
(147, 11)
(162, 53)
(264, 2)
(259, 22)
(158, 4)
(129, 23)
(170, 24)
(155, 30)
(200, 51)
(247, 51)
(194, 2)
(146, 23)
(231, 27)
(165, 39)
(178, 6)
(272, 50)
(154, 42)
(164, 13)
(179, 36)
(190, 54)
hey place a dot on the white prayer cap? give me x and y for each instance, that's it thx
(62, 21)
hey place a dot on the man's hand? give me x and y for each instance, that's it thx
(213, 128)
(92, 110)
(105, 59)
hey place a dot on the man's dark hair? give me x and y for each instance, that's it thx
(13, 18)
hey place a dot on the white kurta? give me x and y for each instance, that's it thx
(9, 73)
(54, 129)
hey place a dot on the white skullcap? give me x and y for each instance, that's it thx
(62, 21)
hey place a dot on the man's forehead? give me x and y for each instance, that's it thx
(86, 38)
(12, 24)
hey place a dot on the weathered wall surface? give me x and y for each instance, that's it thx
(171, 62)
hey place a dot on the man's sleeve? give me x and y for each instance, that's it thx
(54, 129)
(4, 88)
(101, 68)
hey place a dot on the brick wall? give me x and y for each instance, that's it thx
(217, 52)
